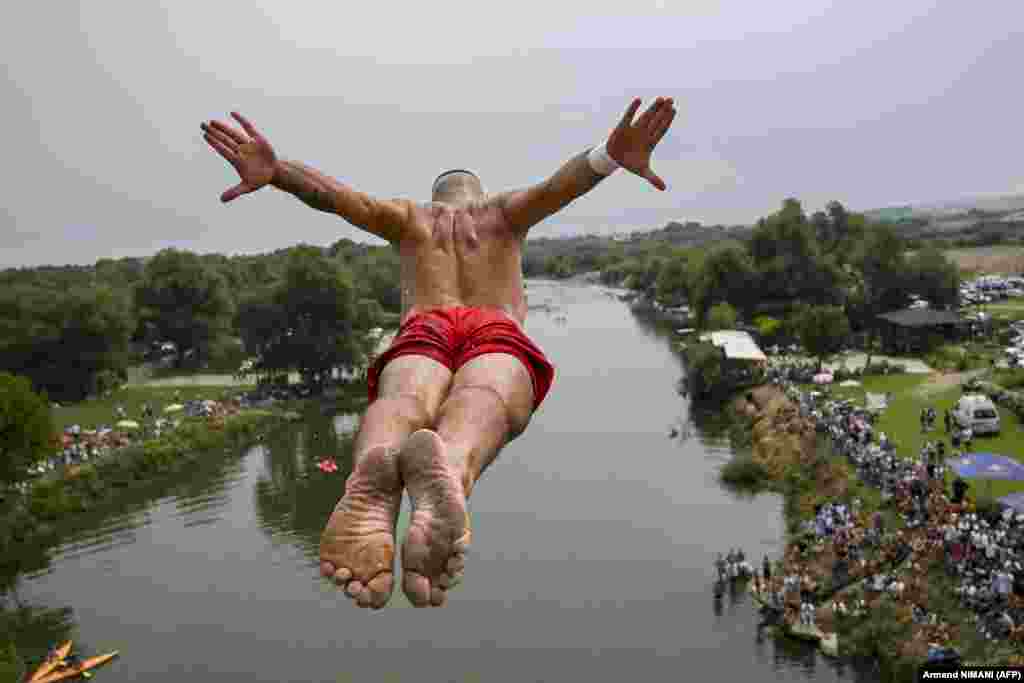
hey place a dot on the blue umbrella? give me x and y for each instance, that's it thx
(987, 466)
(1014, 500)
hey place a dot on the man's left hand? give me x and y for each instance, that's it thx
(631, 144)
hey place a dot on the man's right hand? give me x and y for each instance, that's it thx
(252, 156)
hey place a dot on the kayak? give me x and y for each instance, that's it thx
(77, 670)
(52, 662)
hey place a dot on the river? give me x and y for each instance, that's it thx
(594, 536)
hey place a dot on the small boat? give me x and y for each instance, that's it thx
(76, 670)
(52, 662)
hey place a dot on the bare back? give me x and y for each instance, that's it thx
(461, 255)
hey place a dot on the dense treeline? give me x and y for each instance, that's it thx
(831, 258)
(75, 330)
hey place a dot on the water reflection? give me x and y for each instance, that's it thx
(293, 498)
(593, 561)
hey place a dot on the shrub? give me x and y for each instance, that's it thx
(745, 473)
(767, 328)
(1011, 378)
(26, 428)
(704, 368)
(52, 498)
(721, 317)
(884, 367)
(946, 358)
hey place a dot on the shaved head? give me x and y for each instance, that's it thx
(457, 185)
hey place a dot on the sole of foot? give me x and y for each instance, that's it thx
(433, 553)
(357, 549)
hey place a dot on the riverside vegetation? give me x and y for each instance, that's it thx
(776, 448)
(78, 331)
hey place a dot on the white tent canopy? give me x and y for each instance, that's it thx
(736, 345)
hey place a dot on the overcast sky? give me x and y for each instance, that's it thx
(868, 102)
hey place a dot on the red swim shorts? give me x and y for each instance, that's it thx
(454, 336)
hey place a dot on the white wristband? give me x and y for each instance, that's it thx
(601, 161)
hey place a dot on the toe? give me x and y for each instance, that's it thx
(437, 596)
(450, 580)
(354, 588)
(342, 576)
(380, 589)
(416, 588)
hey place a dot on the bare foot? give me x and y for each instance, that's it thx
(357, 548)
(433, 554)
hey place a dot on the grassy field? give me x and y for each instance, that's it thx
(901, 422)
(1004, 259)
(92, 413)
(878, 384)
(1011, 309)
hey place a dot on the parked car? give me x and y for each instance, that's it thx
(977, 413)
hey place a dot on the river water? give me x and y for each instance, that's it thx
(594, 536)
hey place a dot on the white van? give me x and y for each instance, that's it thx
(978, 413)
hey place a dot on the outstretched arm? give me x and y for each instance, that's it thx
(384, 218)
(257, 165)
(629, 145)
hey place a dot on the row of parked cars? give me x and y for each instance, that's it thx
(1015, 351)
(989, 288)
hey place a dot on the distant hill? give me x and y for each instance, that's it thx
(982, 220)
(694, 234)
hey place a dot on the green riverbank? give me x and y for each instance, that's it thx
(776, 449)
(34, 517)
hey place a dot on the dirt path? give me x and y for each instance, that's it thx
(856, 361)
(938, 382)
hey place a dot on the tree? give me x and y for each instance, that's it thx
(378, 274)
(559, 267)
(704, 372)
(120, 272)
(186, 300)
(789, 261)
(311, 321)
(882, 285)
(724, 275)
(931, 275)
(672, 283)
(26, 428)
(822, 330)
(721, 317)
(68, 343)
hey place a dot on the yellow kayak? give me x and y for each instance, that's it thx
(77, 670)
(51, 663)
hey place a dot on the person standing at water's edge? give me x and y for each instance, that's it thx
(461, 379)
